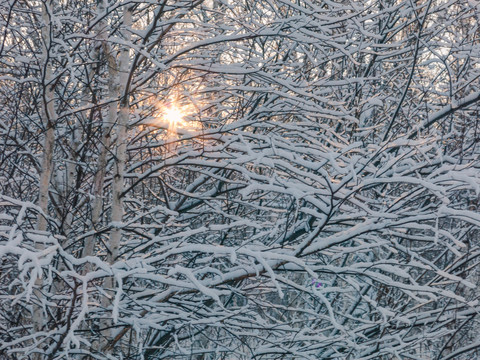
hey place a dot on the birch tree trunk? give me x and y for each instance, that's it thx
(49, 120)
(118, 176)
(99, 179)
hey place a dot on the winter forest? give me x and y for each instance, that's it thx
(240, 179)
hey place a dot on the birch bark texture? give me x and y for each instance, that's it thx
(49, 119)
(121, 125)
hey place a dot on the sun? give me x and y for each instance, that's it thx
(174, 117)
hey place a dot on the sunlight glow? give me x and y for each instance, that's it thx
(172, 118)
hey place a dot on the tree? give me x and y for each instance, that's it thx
(176, 178)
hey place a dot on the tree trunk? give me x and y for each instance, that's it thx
(118, 177)
(49, 120)
(99, 179)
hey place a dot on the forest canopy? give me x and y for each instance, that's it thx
(239, 179)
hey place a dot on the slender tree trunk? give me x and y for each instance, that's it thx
(49, 120)
(118, 176)
(99, 179)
